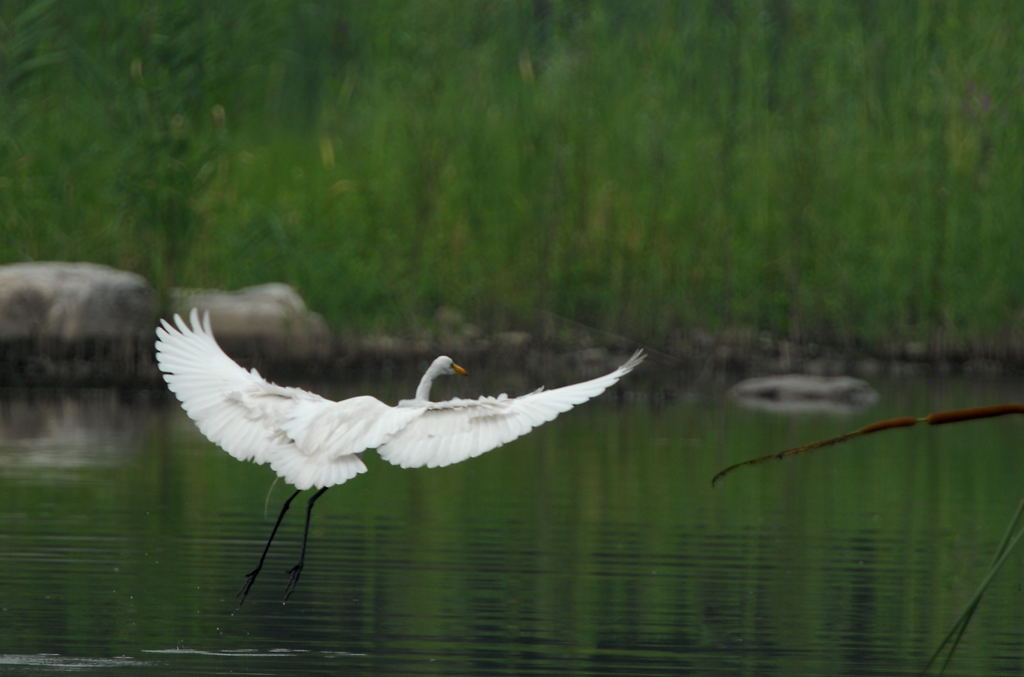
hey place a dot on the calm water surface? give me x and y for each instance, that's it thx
(593, 546)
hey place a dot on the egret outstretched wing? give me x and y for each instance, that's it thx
(311, 441)
(246, 415)
(448, 432)
(308, 440)
(235, 408)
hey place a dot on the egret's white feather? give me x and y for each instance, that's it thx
(240, 411)
(452, 431)
(314, 442)
(235, 408)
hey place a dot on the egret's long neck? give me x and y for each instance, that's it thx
(423, 389)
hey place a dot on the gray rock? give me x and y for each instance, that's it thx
(73, 302)
(803, 392)
(269, 318)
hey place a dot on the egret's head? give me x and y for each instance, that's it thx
(445, 365)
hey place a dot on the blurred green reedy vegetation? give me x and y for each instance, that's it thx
(841, 171)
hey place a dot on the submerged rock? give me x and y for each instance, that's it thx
(803, 392)
(267, 319)
(71, 302)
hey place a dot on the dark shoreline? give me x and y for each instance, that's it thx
(130, 364)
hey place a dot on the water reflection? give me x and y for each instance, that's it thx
(593, 546)
(57, 431)
(804, 407)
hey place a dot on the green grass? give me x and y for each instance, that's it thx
(833, 171)
(952, 639)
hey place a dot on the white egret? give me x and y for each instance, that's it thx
(312, 442)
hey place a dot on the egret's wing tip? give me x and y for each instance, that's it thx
(638, 356)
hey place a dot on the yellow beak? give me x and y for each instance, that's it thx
(458, 370)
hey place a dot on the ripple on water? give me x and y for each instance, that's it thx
(57, 663)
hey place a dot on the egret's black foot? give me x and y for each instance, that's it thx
(250, 578)
(295, 572)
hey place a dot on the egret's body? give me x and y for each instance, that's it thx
(313, 442)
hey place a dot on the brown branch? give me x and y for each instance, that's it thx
(938, 418)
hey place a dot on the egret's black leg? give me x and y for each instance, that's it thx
(251, 576)
(296, 570)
